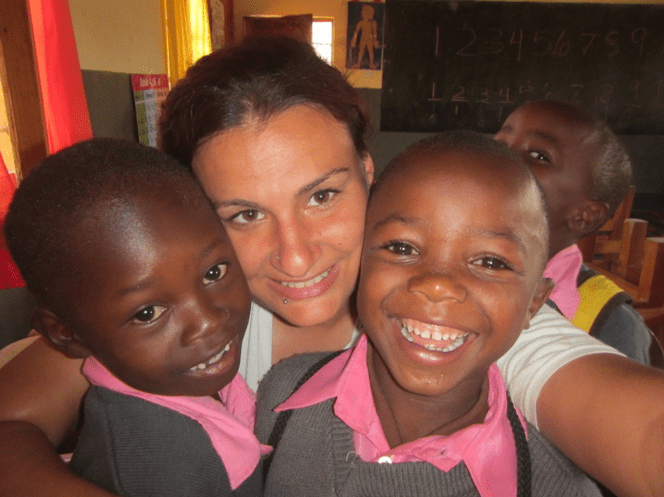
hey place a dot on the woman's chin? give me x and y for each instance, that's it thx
(319, 311)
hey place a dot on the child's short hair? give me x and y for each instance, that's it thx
(611, 171)
(66, 188)
(458, 140)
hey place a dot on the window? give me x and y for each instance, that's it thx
(321, 31)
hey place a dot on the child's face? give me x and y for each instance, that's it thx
(559, 150)
(451, 269)
(166, 304)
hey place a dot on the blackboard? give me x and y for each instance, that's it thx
(451, 65)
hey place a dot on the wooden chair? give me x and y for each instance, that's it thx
(643, 277)
(602, 248)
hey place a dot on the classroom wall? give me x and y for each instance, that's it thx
(119, 35)
(125, 36)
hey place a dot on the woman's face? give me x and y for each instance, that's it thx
(292, 193)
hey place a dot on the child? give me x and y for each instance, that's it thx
(455, 244)
(584, 172)
(132, 268)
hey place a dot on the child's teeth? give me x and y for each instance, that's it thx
(216, 358)
(407, 330)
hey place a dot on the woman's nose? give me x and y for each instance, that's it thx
(296, 251)
(438, 286)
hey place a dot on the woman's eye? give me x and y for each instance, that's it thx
(322, 197)
(215, 273)
(538, 156)
(492, 263)
(246, 217)
(149, 314)
(401, 248)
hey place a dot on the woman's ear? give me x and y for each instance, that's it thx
(544, 288)
(59, 334)
(369, 169)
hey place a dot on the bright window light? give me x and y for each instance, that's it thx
(322, 38)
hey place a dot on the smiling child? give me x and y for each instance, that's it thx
(132, 269)
(456, 241)
(585, 172)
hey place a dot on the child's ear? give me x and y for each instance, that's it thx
(59, 334)
(589, 217)
(542, 293)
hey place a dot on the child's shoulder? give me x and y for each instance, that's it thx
(283, 377)
(279, 383)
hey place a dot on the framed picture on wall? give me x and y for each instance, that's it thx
(365, 35)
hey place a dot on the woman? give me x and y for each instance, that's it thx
(276, 138)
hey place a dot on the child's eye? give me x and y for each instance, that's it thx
(246, 217)
(401, 248)
(493, 263)
(215, 273)
(322, 197)
(149, 314)
(539, 156)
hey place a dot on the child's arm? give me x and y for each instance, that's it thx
(43, 387)
(41, 392)
(29, 466)
(606, 413)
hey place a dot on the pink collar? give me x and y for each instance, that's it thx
(230, 425)
(563, 268)
(487, 449)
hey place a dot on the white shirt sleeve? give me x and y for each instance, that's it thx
(548, 344)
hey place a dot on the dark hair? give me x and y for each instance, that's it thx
(252, 81)
(611, 171)
(52, 204)
(459, 140)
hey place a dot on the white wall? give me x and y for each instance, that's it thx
(119, 35)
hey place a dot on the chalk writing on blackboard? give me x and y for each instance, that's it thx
(469, 64)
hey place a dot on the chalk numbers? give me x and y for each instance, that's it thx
(520, 44)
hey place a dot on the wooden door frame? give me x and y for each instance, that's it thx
(18, 73)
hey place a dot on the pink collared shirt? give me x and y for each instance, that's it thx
(563, 268)
(487, 449)
(230, 425)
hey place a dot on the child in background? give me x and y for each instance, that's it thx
(456, 241)
(584, 172)
(132, 268)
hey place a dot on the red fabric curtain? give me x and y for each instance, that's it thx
(65, 108)
(63, 100)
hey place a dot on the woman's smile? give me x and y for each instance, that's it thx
(306, 289)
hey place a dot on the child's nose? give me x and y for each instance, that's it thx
(438, 286)
(203, 319)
